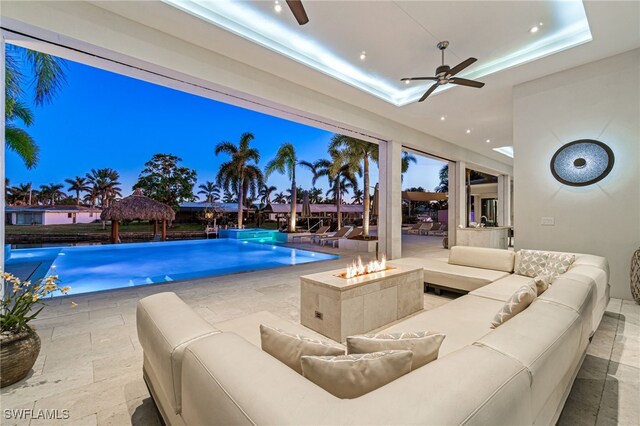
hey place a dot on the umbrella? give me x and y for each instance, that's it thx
(306, 205)
(375, 202)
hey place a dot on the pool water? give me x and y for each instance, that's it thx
(95, 268)
(258, 235)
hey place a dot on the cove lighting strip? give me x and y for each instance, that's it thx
(505, 150)
(241, 19)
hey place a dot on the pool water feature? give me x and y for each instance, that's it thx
(259, 235)
(95, 268)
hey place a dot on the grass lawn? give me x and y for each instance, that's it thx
(81, 228)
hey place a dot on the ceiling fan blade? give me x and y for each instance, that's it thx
(298, 11)
(462, 65)
(428, 92)
(418, 78)
(465, 82)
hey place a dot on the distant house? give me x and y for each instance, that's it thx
(348, 211)
(50, 215)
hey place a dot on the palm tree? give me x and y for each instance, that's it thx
(228, 197)
(407, 159)
(285, 162)
(48, 78)
(315, 195)
(211, 191)
(354, 152)
(280, 198)
(78, 184)
(51, 193)
(340, 175)
(104, 185)
(358, 196)
(22, 192)
(265, 193)
(238, 174)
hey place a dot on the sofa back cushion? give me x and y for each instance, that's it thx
(351, 376)
(423, 344)
(480, 257)
(289, 348)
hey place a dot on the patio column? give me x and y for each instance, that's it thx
(390, 214)
(504, 200)
(164, 230)
(457, 198)
(114, 231)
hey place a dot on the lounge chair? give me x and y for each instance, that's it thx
(356, 232)
(424, 227)
(338, 234)
(413, 227)
(442, 232)
(322, 231)
(435, 226)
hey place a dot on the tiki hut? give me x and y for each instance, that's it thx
(137, 207)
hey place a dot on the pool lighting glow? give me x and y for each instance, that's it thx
(505, 150)
(245, 20)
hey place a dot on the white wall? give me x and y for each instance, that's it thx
(62, 218)
(601, 101)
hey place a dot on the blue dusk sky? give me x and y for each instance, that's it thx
(102, 119)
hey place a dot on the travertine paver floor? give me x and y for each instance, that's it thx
(91, 360)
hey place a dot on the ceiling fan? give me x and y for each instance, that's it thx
(446, 75)
(298, 11)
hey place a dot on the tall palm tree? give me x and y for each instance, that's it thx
(407, 159)
(210, 190)
(280, 198)
(22, 192)
(355, 152)
(51, 193)
(104, 185)
(265, 193)
(285, 162)
(48, 77)
(228, 197)
(315, 195)
(340, 175)
(78, 184)
(238, 174)
(358, 196)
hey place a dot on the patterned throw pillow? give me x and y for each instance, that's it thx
(558, 264)
(517, 303)
(289, 348)
(531, 263)
(542, 283)
(351, 376)
(424, 345)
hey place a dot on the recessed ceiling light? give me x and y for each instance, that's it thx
(488, 141)
(534, 29)
(277, 7)
(363, 55)
(468, 131)
(442, 118)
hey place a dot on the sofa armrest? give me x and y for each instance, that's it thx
(227, 380)
(166, 326)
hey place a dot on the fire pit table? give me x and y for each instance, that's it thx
(337, 307)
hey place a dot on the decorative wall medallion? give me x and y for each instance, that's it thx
(582, 162)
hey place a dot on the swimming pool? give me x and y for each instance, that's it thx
(95, 268)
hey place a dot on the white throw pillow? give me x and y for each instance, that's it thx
(558, 264)
(424, 345)
(531, 263)
(351, 376)
(542, 283)
(289, 348)
(517, 303)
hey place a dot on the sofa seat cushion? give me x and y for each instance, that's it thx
(589, 274)
(458, 277)
(481, 257)
(503, 288)
(577, 295)
(547, 339)
(463, 321)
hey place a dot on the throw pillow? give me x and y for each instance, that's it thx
(542, 283)
(530, 263)
(289, 348)
(422, 344)
(517, 303)
(351, 376)
(558, 264)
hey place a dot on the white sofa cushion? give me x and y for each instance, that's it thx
(503, 288)
(351, 376)
(290, 348)
(518, 302)
(531, 263)
(423, 344)
(480, 257)
(458, 277)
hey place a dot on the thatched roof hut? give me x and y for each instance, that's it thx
(137, 207)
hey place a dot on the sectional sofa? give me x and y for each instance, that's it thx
(518, 373)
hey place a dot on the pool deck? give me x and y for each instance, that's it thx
(91, 360)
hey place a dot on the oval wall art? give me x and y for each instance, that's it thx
(582, 162)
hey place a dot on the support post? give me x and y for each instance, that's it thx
(390, 210)
(115, 231)
(504, 200)
(155, 228)
(457, 199)
(164, 230)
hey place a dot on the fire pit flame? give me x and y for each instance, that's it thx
(358, 268)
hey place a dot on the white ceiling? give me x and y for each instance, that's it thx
(400, 38)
